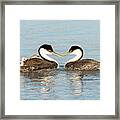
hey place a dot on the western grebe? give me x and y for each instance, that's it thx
(77, 63)
(43, 61)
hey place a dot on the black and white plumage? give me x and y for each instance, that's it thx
(40, 61)
(77, 63)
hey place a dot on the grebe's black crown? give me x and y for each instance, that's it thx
(47, 47)
(74, 48)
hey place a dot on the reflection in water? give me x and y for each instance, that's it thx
(58, 84)
(76, 83)
(39, 82)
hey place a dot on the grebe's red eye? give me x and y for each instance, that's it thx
(49, 50)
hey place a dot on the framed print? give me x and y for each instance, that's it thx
(59, 59)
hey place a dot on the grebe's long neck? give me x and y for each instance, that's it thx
(78, 55)
(43, 53)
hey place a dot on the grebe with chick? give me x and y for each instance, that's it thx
(40, 61)
(77, 63)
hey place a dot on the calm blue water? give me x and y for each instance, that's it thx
(60, 84)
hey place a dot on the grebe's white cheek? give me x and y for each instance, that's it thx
(76, 52)
(49, 53)
(44, 51)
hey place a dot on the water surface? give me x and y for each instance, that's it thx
(60, 84)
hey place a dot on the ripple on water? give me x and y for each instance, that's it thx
(60, 85)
